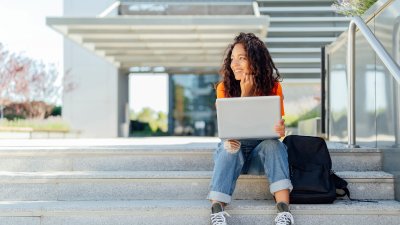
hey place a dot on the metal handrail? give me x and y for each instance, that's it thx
(387, 60)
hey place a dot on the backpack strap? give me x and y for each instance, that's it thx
(342, 190)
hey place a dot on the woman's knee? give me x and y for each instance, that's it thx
(223, 154)
(225, 161)
(271, 146)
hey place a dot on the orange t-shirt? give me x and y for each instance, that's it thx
(277, 90)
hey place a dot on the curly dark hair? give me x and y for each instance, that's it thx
(261, 66)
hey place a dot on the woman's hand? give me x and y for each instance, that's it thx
(280, 128)
(232, 146)
(246, 85)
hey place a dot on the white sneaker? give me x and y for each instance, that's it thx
(284, 218)
(219, 218)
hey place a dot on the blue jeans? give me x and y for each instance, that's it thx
(255, 157)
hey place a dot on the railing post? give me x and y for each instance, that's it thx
(323, 91)
(351, 56)
(396, 86)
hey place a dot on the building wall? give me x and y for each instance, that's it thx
(96, 106)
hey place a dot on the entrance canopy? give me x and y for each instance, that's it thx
(176, 44)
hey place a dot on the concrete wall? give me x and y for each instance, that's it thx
(79, 8)
(96, 106)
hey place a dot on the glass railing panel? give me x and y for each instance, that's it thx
(377, 92)
(387, 89)
(365, 93)
(338, 97)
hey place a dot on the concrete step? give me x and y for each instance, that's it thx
(296, 66)
(312, 71)
(315, 19)
(192, 212)
(298, 42)
(294, 50)
(269, 3)
(285, 9)
(297, 60)
(301, 73)
(290, 11)
(68, 186)
(161, 155)
(296, 53)
(291, 1)
(308, 22)
(306, 29)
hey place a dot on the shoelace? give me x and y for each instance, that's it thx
(219, 218)
(284, 218)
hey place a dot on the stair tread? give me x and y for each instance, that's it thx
(7, 176)
(307, 29)
(300, 39)
(309, 19)
(296, 9)
(294, 1)
(293, 50)
(297, 60)
(254, 207)
(149, 145)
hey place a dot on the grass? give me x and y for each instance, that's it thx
(55, 124)
(293, 120)
(352, 7)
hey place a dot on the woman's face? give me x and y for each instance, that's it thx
(239, 62)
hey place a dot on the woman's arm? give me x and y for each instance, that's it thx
(246, 86)
(280, 128)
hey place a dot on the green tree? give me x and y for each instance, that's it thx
(146, 115)
(162, 121)
(158, 121)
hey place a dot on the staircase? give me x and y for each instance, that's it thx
(165, 181)
(298, 29)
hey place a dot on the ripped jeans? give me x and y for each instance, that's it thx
(255, 157)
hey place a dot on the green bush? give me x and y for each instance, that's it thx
(293, 120)
(14, 117)
(352, 7)
(57, 111)
(155, 123)
(28, 109)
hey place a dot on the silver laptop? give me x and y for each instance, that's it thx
(248, 117)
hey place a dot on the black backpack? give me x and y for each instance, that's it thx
(310, 167)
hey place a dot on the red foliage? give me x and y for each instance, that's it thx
(26, 81)
(33, 109)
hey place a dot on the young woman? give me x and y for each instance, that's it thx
(248, 70)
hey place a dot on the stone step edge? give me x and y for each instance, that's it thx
(139, 150)
(48, 177)
(193, 207)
